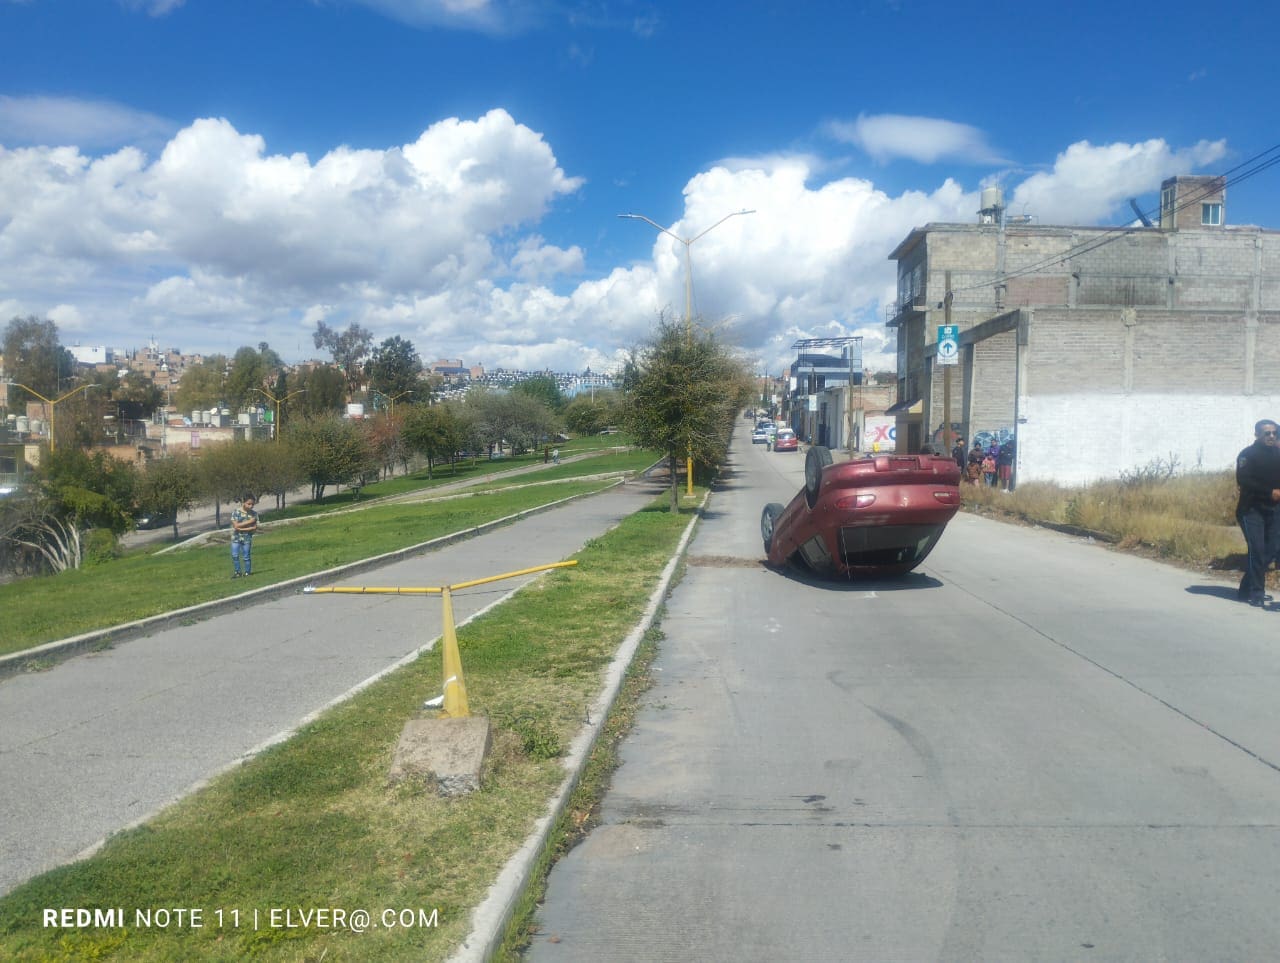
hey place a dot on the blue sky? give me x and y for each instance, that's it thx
(214, 173)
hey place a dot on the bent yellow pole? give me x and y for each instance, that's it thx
(455, 689)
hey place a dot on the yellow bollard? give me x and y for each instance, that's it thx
(455, 690)
(454, 697)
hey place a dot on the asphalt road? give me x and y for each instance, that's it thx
(98, 743)
(1031, 748)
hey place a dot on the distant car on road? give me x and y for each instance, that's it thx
(786, 440)
(759, 436)
(879, 515)
(155, 520)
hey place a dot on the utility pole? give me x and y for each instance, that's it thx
(946, 376)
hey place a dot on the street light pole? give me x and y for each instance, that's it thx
(53, 404)
(688, 298)
(278, 401)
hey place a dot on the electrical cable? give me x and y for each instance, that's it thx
(1085, 247)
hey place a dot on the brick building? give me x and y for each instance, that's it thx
(1104, 349)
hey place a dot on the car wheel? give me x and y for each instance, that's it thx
(768, 519)
(815, 459)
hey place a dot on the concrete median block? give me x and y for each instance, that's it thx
(450, 751)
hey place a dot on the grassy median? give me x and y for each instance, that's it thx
(44, 609)
(312, 830)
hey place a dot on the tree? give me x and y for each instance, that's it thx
(435, 432)
(168, 486)
(34, 356)
(71, 493)
(201, 387)
(394, 369)
(326, 391)
(329, 451)
(587, 414)
(502, 417)
(348, 348)
(385, 432)
(541, 388)
(684, 390)
(249, 372)
(135, 388)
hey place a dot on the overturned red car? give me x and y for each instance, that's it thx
(878, 515)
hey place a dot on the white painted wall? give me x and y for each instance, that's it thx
(1127, 432)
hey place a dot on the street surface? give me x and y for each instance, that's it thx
(101, 741)
(1030, 748)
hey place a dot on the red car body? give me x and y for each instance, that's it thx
(878, 515)
(786, 440)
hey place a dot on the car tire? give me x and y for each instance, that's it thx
(769, 518)
(816, 458)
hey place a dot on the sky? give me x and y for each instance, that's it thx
(218, 173)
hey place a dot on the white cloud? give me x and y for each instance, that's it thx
(487, 16)
(216, 243)
(924, 139)
(1087, 181)
(69, 120)
(155, 8)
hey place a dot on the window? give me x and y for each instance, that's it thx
(1211, 214)
(1167, 197)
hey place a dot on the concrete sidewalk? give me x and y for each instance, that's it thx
(102, 742)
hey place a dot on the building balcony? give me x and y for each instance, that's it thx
(896, 315)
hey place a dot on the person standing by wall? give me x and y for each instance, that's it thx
(244, 522)
(1004, 464)
(1258, 475)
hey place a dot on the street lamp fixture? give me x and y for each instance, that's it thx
(391, 399)
(53, 404)
(688, 296)
(275, 428)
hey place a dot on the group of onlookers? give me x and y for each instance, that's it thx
(991, 466)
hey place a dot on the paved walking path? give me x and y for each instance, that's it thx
(100, 742)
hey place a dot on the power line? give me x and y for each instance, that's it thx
(1086, 247)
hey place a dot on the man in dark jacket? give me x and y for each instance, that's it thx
(1258, 475)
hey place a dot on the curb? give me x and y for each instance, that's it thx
(43, 656)
(489, 920)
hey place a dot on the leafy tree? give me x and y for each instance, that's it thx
(93, 490)
(542, 388)
(329, 451)
(202, 384)
(250, 371)
(385, 432)
(34, 356)
(587, 414)
(348, 348)
(326, 391)
(395, 368)
(70, 493)
(501, 417)
(228, 471)
(135, 388)
(682, 398)
(168, 486)
(435, 432)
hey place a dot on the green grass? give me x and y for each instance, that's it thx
(53, 607)
(313, 822)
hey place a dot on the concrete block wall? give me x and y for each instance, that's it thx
(1074, 351)
(994, 391)
(1189, 353)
